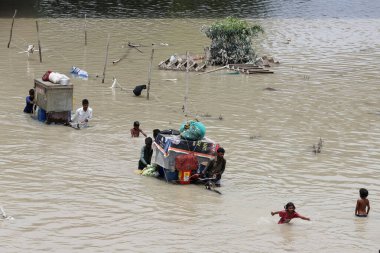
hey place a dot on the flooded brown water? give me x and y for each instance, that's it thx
(76, 191)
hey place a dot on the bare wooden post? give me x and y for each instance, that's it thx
(10, 36)
(39, 44)
(150, 73)
(105, 63)
(187, 83)
(85, 29)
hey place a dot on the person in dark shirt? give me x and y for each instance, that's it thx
(29, 107)
(146, 153)
(215, 167)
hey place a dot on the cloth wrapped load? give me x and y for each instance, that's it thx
(192, 130)
(186, 162)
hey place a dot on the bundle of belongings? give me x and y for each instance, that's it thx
(55, 77)
(192, 130)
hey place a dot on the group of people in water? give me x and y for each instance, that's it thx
(80, 118)
(361, 210)
(213, 171)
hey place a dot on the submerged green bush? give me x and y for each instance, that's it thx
(231, 41)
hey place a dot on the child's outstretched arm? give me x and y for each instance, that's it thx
(303, 217)
(273, 213)
(141, 131)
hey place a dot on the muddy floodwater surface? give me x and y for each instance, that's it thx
(76, 191)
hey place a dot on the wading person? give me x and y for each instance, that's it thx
(288, 214)
(362, 205)
(146, 153)
(30, 106)
(215, 167)
(82, 115)
(136, 130)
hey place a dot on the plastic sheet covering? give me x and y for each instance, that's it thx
(192, 130)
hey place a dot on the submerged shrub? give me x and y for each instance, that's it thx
(231, 41)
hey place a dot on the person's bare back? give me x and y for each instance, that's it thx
(362, 205)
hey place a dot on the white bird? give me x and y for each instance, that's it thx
(4, 215)
(30, 50)
(114, 84)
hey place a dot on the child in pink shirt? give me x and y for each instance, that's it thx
(288, 214)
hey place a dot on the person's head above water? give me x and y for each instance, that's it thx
(148, 141)
(290, 206)
(85, 104)
(363, 193)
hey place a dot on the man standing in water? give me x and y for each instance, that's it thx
(216, 167)
(82, 115)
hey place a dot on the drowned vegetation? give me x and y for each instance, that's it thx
(231, 41)
(231, 47)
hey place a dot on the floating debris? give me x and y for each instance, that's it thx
(317, 148)
(4, 216)
(249, 69)
(177, 63)
(252, 137)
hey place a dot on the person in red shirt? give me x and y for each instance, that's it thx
(135, 131)
(288, 214)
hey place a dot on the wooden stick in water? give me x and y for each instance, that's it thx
(213, 70)
(185, 109)
(10, 36)
(105, 63)
(85, 29)
(39, 44)
(150, 73)
(122, 57)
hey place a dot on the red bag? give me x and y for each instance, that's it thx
(186, 162)
(45, 77)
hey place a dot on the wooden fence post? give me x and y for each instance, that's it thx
(105, 63)
(10, 36)
(39, 44)
(150, 73)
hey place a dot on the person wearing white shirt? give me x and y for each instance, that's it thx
(82, 115)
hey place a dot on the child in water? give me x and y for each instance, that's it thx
(362, 205)
(146, 153)
(136, 130)
(288, 214)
